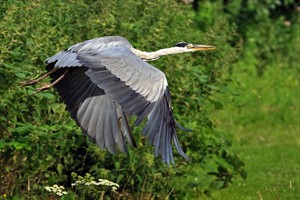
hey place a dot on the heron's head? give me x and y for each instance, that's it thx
(188, 47)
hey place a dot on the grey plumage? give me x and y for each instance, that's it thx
(108, 81)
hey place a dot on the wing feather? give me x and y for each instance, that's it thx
(94, 111)
(94, 118)
(141, 115)
(99, 137)
(128, 68)
(109, 141)
(84, 113)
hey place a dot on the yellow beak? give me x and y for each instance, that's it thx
(199, 47)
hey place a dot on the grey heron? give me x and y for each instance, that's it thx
(104, 81)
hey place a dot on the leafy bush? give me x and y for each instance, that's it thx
(268, 29)
(40, 144)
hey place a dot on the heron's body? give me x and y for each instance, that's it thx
(104, 81)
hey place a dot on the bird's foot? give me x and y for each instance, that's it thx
(44, 87)
(28, 82)
(33, 81)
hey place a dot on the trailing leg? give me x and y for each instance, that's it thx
(31, 82)
(48, 86)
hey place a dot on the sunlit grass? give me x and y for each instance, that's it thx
(272, 174)
(265, 123)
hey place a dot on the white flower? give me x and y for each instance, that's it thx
(48, 188)
(114, 188)
(58, 190)
(93, 183)
(59, 194)
(104, 182)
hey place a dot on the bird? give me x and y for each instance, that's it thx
(105, 81)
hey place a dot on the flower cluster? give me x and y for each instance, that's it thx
(58, 190)
(103, 182)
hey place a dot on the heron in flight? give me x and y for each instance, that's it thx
(104, 81)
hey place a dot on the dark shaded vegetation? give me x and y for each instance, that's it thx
(41, 145)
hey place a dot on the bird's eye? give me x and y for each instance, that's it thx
(189, 46)
(181, 44)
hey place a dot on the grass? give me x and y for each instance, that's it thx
(265, 122)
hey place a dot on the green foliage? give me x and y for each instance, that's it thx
(262, 97)
(270, 29)
(40, 144)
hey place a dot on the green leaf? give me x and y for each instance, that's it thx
(60, 168)
(8, 66)
(20, 75)
(217, 184)
(2, 144)
(46, 95)
(18, 145)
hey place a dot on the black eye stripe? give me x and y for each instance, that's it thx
(181, 44)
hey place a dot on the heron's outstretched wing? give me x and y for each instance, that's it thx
(140, 89)
(98, 116)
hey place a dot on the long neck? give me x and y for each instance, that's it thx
(156, 54)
